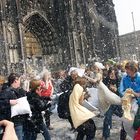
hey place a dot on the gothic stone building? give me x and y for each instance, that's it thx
(55, 33)
(130, 46)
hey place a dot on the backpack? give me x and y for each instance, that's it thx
(63, 105)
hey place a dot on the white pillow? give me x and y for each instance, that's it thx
(80, 71)
(93, 99)
(89, 106)
(22, 107)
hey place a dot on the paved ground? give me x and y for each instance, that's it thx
(62, 131)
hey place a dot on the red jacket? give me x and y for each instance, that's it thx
(47, 92)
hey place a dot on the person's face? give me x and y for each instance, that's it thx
(95, 69)
(62, 74)
(39, 90)
(74, 76)
(112, 75)
(107, 66)
(130, 72)
(17, 82)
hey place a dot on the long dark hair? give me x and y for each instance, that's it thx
(110, 71)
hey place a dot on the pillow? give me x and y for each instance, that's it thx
(80, 71)
(89, 106)
(22, 107)
(93, 99)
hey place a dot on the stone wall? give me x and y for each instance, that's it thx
(130, 46)
(71, 32)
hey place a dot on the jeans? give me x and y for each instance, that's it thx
(107, 124)
(19, 131)
(30, 134)
(45, 131)
(47, 117)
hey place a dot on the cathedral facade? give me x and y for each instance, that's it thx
(56, 33)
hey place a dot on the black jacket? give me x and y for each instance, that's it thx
(5, 107)
(37, 104)
(67, 84)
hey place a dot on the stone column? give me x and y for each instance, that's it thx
(75, 40)
(20, 27)
(2, 2)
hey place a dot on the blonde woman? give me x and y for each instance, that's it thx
(48, 92)
(47, 78)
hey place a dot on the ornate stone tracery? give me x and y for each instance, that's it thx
(63, 32)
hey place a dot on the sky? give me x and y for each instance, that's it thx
(124, 9)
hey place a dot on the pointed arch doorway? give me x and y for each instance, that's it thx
(40, 40)
(33, 52)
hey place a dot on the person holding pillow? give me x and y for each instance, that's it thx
(8, 98)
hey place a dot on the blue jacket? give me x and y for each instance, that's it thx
(128, 82)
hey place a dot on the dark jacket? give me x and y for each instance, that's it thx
(5, 107)
(37, 104)
(67, 84)
(63, 103)
(107, 81)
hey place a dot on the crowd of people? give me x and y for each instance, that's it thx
(67, 89)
